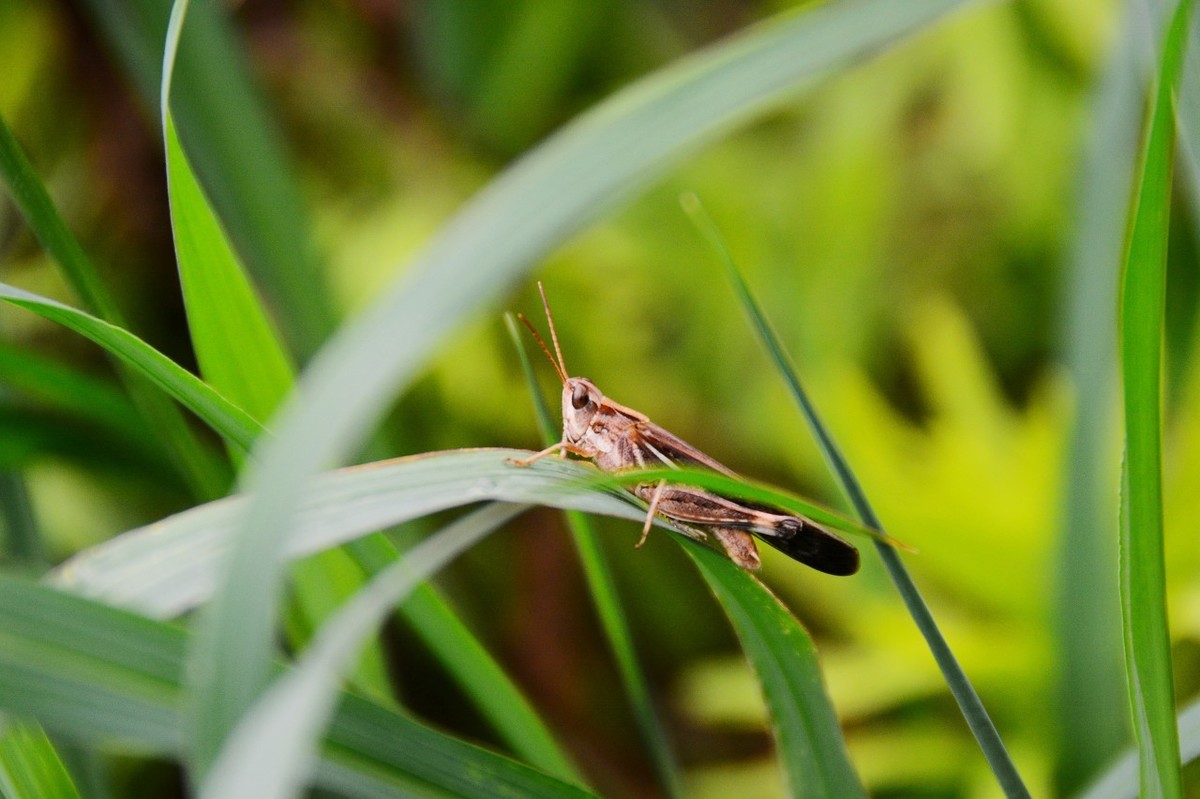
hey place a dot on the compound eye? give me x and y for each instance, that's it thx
(579, 396)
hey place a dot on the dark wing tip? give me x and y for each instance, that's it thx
(817, 548)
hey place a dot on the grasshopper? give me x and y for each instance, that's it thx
(617, 438)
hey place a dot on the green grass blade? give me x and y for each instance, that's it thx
(169, 567)
(1142, 566)
(109, 678)
(552, 192)
(1121, 779)
(273, 749)
(236, 151)
(240, 356)
(810, 743)
(603, 590)
(231, 422)
(236, 347)
(22, 538)
(480, 677)
(956, 679)
(204, 474)
(30, 767)
(1087, 604)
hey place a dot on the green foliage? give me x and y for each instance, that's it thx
(908, 219)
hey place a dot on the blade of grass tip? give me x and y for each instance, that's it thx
(272, 750)
(809, 741)
(543, 198)
(607, 600)
(30, 767)
(1142, 562)
(234, 147)
(960, 686)
(205, 474)
(236, 346)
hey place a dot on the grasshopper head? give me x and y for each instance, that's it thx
(581, 401)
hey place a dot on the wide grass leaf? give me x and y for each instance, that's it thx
(170, 566)
(1142, 564)
(810, 744)
(106, 677)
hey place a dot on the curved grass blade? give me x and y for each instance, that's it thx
(203, 473)
(107, 677)
(810, 743)
(603, 589)
(240, 356)
(231, 422)
(1142, 565)
(964, 693)
(170, 566)
(30, 767)
(552, 192)
(236, 347)
(272, 750)
(236, 151)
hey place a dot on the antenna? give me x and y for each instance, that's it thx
(542, 343)
(562, 366)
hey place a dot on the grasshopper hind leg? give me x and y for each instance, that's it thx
(739, 546)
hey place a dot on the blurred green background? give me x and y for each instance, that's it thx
(909, 226)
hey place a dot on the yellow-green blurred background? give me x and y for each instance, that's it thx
(907, 224)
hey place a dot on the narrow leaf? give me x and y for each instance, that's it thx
(809, 740)
(204, 474)
(197, 396)
(236, 151)
(1142, 566)
(964, 693)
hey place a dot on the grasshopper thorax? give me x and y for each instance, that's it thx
(581, 401)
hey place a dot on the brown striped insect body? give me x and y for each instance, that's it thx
(617, 438)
